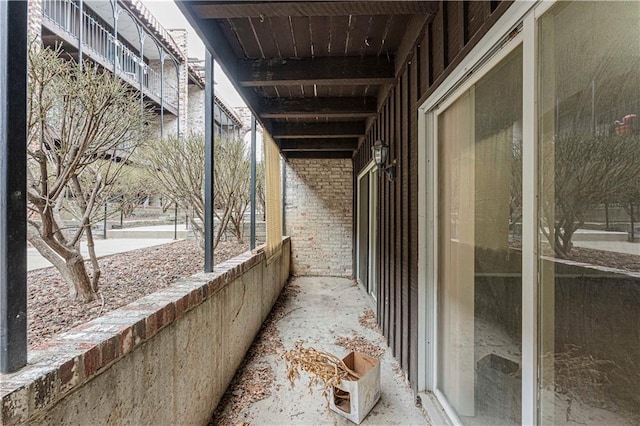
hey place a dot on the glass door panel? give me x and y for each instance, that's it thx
(589, 192)
(479, 192)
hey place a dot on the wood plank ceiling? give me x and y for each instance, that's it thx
(314, 72)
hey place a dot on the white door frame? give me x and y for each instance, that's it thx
(365, 171)
(517, 26)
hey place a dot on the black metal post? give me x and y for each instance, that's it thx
(175, 222)
(13, 185)
(104, 227)
(633, 224)
(209, 137)
(162, 58)
(253, 183)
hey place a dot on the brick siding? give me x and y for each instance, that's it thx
(318, 215)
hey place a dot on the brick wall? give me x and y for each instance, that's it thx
(35, 18)
(130, 366)
(196, 110)
(318, 214)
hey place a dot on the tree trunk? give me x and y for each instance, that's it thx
(70, 265)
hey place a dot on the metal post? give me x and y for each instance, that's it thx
(633, 225)
(178, 94)
(162, 58)
(175, 222)
(141, 65)
(209, 138)
(80, 33)
(13, 185)
(253, 183)
(104, 228)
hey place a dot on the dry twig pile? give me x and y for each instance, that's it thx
(325, 369)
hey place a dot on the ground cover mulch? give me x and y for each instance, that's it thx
(125, 278)
(610, 259)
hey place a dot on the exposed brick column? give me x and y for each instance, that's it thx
(180, 37)
(319, 216)
(35, 19)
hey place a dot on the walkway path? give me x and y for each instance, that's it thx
(323, 310)
(103, 248)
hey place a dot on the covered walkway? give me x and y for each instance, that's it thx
(321, 311)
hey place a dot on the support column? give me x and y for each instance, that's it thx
(209, 137)
(253, 183)
(13, 185)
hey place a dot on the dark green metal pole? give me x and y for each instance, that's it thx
(13, 185)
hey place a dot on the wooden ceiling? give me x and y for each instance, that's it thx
(315, 73)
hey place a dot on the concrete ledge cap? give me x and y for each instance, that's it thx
(67, 361)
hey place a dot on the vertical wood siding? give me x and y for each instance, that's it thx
(444, 41)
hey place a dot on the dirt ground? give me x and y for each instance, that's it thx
(126, 277)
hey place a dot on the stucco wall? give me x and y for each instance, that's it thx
(164, 359)
(318, 215)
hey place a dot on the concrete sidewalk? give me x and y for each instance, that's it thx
(327, 308)
(103, 248)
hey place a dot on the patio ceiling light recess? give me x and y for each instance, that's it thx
(380, 153)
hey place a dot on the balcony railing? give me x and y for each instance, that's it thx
(65, 14)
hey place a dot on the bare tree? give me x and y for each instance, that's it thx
(587, 170)
(177, 165)
(83, 127)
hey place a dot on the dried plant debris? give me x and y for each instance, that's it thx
(368, 320)
(253, 381)
(268, 341)
(325, 369)
(358, 343)
(253, 385)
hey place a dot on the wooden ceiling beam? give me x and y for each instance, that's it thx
(331, 144)
(319, 155)
(356, 107)
(243, 9)
(216, 43)
(337, 129)
(350, 70)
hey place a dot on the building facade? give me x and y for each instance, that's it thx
(125, 38)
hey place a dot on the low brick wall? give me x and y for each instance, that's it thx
(165, 359)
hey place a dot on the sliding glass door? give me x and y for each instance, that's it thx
(532, 285)
(479, 282)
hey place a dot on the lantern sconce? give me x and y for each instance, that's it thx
(380, 153)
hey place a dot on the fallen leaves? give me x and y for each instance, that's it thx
(368, 320)
(360, 344)
(253, 383)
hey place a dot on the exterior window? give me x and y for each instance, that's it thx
(589, 213)
(479, 157)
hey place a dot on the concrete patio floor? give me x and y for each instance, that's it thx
(324, 309)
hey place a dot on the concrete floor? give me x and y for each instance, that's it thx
(325, 309)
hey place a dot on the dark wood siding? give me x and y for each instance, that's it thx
(441, 45)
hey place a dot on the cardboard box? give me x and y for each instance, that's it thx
(354, 399)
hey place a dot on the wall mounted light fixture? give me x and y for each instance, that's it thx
(380, 153)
